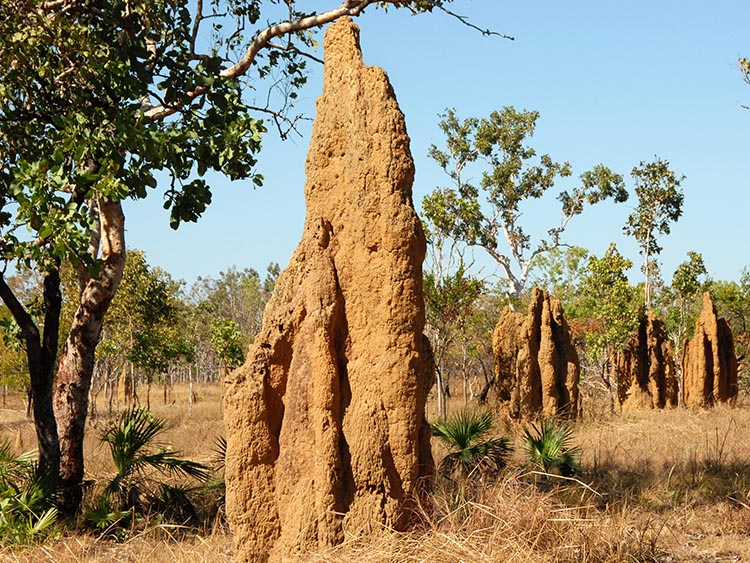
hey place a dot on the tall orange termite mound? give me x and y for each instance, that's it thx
(709, 365)
(536, 364)
(326, 431)
(645, 371)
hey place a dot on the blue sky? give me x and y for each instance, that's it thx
(615, 83)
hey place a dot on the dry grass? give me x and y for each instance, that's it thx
(669, 487)
(154, 546)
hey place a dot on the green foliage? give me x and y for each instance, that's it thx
(682, 299)
(448, 299)
(27, 498)
(609, 303)
(732, 300)
(549, 447)
(660, 201)
(226, 339)
(145, 323)
(560, 272)
(465, 434)
(512, 175)
(73, 90)
(685, 280)
(136, 457)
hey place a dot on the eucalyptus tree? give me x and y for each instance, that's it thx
(610, 305)
(101, 101)
(660, 201)
(560, 272)
(681, 303)
(449, 300)
(688, 280)
(511, 175)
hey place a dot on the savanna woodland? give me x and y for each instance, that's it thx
(628, 443)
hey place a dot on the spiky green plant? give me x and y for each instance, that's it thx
(465, 433)
(27, 498)
(550, 447)
(104, 515)
(136, 457)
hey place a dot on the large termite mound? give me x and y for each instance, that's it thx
(645, 371)
(709, 365)
(536, 364)
(326, 430)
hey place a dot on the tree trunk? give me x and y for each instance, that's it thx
(41, 352)
(76, 364)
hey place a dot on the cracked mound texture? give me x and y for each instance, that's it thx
(645, 371)
(536, 364)
(709, 365)
(326, 431)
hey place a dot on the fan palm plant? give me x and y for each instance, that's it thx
(136, 456)
(465, 434)
(549, 447)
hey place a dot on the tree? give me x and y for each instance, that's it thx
(560, 272)
(480, 215)
(685, 287)
(682, 304)
(610, 305)
(448, 301)
(660, 201)
(225, 315)
(95, 98)
(732, 300)
(226, 340)
(145, 328)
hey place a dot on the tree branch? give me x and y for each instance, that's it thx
(20, 314)
(263, 39)
(350, 8)
(295, 49)
(464, 20)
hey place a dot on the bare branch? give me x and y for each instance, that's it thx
(350, 8)
(293, 48)
(196, 25)
(464, 20)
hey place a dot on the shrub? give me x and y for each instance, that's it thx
(465, 434)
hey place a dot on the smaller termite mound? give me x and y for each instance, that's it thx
(536, 365)
(645, 370)
(709, 365)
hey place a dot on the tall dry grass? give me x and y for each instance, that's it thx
(657, 486)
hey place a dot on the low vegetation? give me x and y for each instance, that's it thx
(658, 486)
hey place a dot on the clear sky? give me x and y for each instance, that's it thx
(615, 83)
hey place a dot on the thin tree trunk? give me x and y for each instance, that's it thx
(76, 364)
(41, 352)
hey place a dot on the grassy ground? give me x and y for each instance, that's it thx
(669, 486)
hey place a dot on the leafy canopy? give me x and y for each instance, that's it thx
(75, 80)
(660, 201)
(479, 215)
(610, 302)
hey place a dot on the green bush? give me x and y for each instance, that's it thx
(134, 491)
(465, 434)
(550, 448)
(27, 498)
